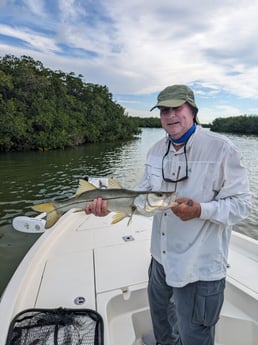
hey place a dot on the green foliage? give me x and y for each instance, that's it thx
(41, 109)
(148, 122)
(239, 125)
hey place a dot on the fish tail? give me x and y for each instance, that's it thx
(52, 213)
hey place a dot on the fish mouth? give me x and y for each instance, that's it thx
(161, 201)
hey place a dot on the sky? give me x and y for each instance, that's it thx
(138, 47)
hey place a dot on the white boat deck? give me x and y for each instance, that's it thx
(240, 310)
(86, 258)
(246, 257)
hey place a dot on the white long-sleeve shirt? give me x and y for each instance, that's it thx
(197, 249)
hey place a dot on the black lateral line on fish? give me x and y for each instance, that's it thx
(103, 198)
(77, 201)
(91, 200)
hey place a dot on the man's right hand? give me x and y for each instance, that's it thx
(98, 207)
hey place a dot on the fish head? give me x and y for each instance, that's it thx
(154, 201)
(160, 201)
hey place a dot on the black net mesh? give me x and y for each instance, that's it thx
(56, 327)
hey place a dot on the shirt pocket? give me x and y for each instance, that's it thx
(155, 178)
(205, 180)
(208, 302)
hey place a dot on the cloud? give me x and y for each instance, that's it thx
(137, 49)
(30, 39)
(37, 8)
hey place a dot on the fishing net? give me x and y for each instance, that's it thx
(56, 327)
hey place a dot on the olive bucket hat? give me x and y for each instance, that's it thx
(176, 95)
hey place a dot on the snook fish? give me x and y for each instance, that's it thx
(124, 202)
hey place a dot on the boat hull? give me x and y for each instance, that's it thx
(85, 262)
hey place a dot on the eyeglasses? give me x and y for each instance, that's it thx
(166, 179)
(164, 111)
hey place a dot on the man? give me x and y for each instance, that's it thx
(189, 244)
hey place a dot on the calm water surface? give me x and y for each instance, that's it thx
(31, 177)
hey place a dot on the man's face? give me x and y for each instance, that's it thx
(176, 121)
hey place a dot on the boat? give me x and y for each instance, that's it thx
(85, 264)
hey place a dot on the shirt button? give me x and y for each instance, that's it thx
(163, 251)
(163, 233)
(165, 214)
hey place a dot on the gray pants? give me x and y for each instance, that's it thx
(186, 315)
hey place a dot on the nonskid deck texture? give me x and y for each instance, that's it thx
(85, 262)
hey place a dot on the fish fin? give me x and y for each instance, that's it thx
(130, 219)
(131, 216)
(113, 184)
(52, 213)
(78, 210)
(118, 217)
(84, 186)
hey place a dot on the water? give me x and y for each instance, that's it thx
(31, 177)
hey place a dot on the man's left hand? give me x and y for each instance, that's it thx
(187, 209)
